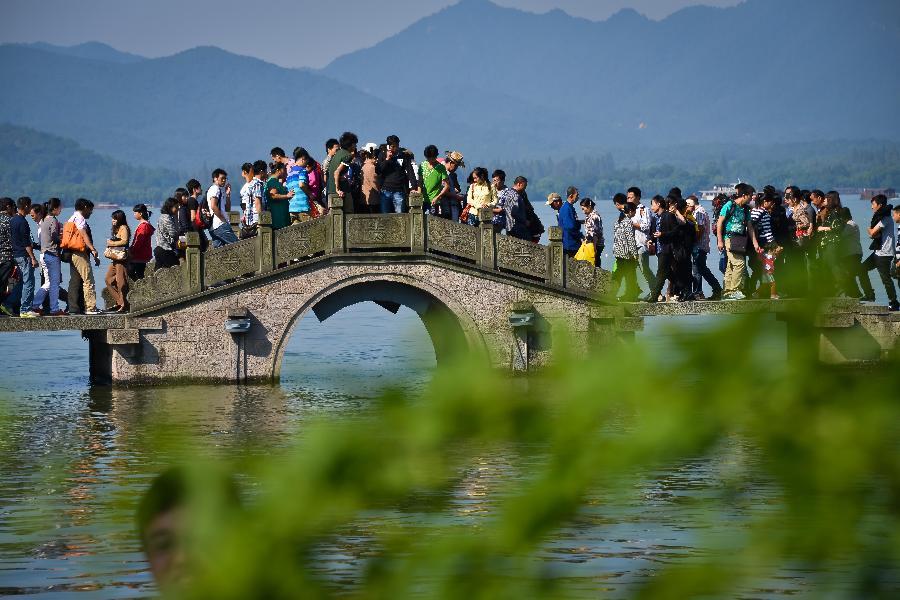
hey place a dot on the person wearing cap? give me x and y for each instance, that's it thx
(554, 201)
(451, 202)
(395, 176)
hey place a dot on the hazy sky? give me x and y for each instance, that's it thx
(305, 36)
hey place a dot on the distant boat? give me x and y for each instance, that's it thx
(710, 195)
(869, 193)
(107, 206)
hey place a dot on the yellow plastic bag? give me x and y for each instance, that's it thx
(586, 253)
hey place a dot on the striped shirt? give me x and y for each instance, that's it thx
(762, 222)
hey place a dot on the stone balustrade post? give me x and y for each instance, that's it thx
(193, 264)
(234, 217)
(418, 233)
(556, 270)
(337, 234)
(487, 240)
(265, 243)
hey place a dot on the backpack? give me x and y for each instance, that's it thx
(201, 219)
(71, 238)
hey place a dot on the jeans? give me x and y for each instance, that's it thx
(222, 235)
(699, 272)
(883, 265)
(24, 290)
(393, 202)
(52, 269)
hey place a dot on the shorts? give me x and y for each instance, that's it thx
(768, 256)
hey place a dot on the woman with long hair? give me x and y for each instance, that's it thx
(141, 251)
(481, 194)
(829, 234)
(117, 253)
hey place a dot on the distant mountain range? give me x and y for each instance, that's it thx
(491, 81)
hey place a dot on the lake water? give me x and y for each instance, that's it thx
(68, 452)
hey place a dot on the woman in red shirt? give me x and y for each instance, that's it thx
(141, 244)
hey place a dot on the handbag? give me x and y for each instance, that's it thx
(248, 231)
(115, 254)
(586, 253)
(739, 243)
(65, 255)
(464, 215)
(651, 247)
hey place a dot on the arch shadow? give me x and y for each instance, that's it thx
(450, 327)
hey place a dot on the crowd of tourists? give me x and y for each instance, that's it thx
(771, 243)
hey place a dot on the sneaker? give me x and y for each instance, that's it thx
(93, 311)
(894, 306)
(6, 311)
(58, 313)
(38, 312)
(739, 296)
(27, 315)
(715, 295)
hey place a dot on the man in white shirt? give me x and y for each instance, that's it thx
(218, 197)
(643, 225)
(884, 245)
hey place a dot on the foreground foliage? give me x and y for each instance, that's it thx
(824, 437)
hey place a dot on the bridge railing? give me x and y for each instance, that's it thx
(340, 232)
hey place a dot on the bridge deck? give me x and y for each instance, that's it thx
(70, 323)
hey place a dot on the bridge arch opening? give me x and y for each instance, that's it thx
(448, 327)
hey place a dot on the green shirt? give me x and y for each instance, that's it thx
(431, 178)
(279, 208)
(341, 156)
(737, 223)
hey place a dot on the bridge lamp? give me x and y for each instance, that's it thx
(519, 320)
(238, 321)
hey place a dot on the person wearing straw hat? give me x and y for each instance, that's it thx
(554, 201)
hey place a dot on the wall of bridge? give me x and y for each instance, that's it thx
(191, 343)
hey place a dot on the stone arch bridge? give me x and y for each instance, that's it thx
(226, 315)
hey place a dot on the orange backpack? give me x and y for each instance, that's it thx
(71, 238)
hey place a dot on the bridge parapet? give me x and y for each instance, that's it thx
(340, 233)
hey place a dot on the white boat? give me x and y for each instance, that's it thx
(709, 195)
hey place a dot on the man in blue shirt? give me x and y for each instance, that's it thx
(23, 254)
(568, 222)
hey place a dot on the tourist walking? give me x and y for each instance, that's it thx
(278, 197)
(77, 238)
(165, 252)
(829, 233)
(451, 201)
(735, 237)
(200, 216)
(509, 204)
(340, 179)
(370, 200)
(593, 228)
(699, 269)
(664, 238)
(625, 252)
(643, 221)
(884, 243)
(858, 284)
(480, 194)
(218, 198)
(434, 181)
(23, 255)
(7, 262)
(49, 234)
(117, 252)
(141, 251)
(796, 270)
(300, 207)
(569, 223)
(396, 176)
